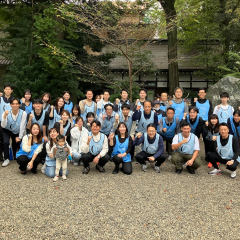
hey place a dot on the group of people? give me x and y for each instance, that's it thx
(100, 131)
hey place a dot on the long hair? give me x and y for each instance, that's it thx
(51, 141)
(76, 106)
(118, 132)
(56, 104)
(69, 95)
(49, 96)
(39, 136)
(28, 91)
(210, 126)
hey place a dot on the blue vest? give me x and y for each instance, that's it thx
(28, 154)
(194, 126)
(120, 106)
(170, 129)
(40, 121)
(159, 118)
(107, 125)
(56, 118)
(96, 147)
(88, 109)
(141, 109)
(143, 122)
(223, 115)
(186, 148)
(128, 122)
(66, 128)
(234, 128)
(102, 110)
(179, 109)
(150, 148)
(28, 108)
(203, 109)
(68, 106)
(225, 152)
(163, 108)
(4, 107)
(121, 148)
(47, 108)
(14, 126)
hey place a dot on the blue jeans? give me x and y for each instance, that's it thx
(50, 171)
(76, 157)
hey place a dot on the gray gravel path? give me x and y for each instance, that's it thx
(106, 206)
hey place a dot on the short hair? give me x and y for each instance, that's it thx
(96, 122)
(68, 93)
(185, 124)
(90, 114)
(195, 109)
(15, 99)
(224, 95)
(151, 125)
(65, 111)
(164, 92)
(78, 118)
(125, 105)
(223, 125)
(106, 90)
(59, 137)
(143, 89)
(38, 100)
(89, 90)
(170, 108)
(49, 96)
(124, 90)
(237, 111)
(146, 102)
(108, 105)
(178, 88)
(202, 89)
(7, 85)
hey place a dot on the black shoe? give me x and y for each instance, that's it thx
(24, 173)
(121, 169)
(190, 171)
(34, 171)
(116, 170)
(100, 169)
(86, 170)
(178, 171)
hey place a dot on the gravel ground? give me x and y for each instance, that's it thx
(106, 206)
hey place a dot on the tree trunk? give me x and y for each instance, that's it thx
(170, 12)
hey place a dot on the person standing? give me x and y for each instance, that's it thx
(117, 106)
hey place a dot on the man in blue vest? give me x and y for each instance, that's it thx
(141, 100)
(178, 104)
(117, 106)
(152, 148)
(95, 148)
(161, 113)
(104, 100)
(227, 152)
(186, 147)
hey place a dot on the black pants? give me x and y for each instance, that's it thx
(168, 144)
(88, 157)
(127, 166)
(23, 162)
(1, 142)
(213, 158)
(6, 139)
(142, 157)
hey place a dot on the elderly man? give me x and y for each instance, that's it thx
(186, 147)
(227, 152)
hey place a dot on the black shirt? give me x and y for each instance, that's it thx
(199, 128)
(122, 140)
(46, 118)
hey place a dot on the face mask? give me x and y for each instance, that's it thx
(156, 109)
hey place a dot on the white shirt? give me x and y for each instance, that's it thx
(27, 148)
(14, 117)
(76, 138)
(225, 107)
(196, 141)
(102, 103)
(85, 147)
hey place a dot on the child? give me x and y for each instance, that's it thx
(46, 98)
(76, 112)
(61, 152)
(224, 111)
(68, 104)
(210, 133)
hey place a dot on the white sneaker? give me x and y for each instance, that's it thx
(43, 168)
(55, 178)
(144, 167)
(233, 174)
(215, 172)
(169, 157)
(5, 163)
(157, 169)
(75, 164)
(64, 177)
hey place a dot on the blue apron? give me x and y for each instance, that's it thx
(159, 118)
(150, 148)
(225, 152)
(120, 105)
(203, 109)
(186, 148)
(96, 147)
(194, 126)
(143, 122)
(66, 128)
(88, 109)
(234, 128)
(223, 115)
(179, 109)
(28, 108)
(39, 121)
(4, 107)
(107, 125)
(170, 129)
(128, 122)
(68, 107)
(56, 118)
(14, 126)
(121, 148)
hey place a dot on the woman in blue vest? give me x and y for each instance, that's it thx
(26, 104)
(210, 133)
(50, 162)
(68, 105)
(46, 98)
(234, 124)
(89, 119)
(76, 112)
(31, 147)
(55, 112)
(122, 145)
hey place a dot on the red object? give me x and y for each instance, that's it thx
(218, 163)
(209, 165)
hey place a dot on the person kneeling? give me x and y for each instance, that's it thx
(122, 145)
(227, 152)
(61, 151)
(95, 148)
(186, 147)
(152, 148)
